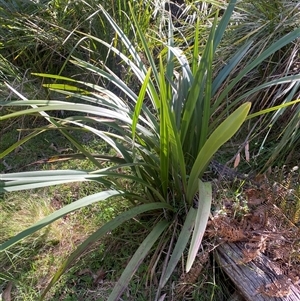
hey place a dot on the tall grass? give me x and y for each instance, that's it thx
(266, 22)
(40, 36)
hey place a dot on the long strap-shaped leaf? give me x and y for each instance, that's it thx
(180, 246)
(58, 214)
(223, 23)
(221, 135)
(136, 260)
(57, 125)
(164, 130)
(204, 204)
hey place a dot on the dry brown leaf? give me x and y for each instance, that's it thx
(247, 154)
(253, 196)
(237, 160)
(279, 288)
(99, 277)
(254, 249)
(6, 295)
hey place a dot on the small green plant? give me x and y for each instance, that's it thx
(163, 146)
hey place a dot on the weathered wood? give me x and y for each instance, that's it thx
(249, 277)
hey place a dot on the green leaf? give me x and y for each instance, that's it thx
(20, 142)
(221, 135)
(275, 108)
(180, 246)
(65, 87)
(230, 65)
(139, 103)
(198, 99)
(136, 260)
(208, 55)
(164, 130)
(196, 47)
(223, 23)
(56, 77)
(204, 205)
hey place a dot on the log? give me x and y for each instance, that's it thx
(250, 277)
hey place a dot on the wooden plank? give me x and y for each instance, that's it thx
(249, 277)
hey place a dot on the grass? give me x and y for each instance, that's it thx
(264, 23)
(47, 249)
